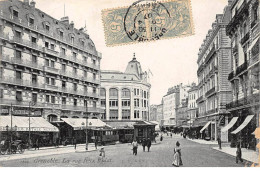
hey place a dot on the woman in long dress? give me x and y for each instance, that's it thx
(177, 155)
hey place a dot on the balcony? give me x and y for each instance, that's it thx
(51, 69)
(245, 38)
(231, 76)
(235, 21)
(50, 51)
(199, 99)
(17, 61)
(244, 102)
(26, 43)
(200, 68)
(209, 92)
(253, 23)
(52, 105)
(241, 68)
(212, 111)
(20, 82)
(93, 109)
(210, 55)
(51, 87)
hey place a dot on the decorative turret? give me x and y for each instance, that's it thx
(134, 67)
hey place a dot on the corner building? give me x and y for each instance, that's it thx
(125, 96)
(214, 89)
(46, 63)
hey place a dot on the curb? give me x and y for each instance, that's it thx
(85, 151)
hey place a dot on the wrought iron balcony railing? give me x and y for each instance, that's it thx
(211, 91)
(245, 38)
(241, 68)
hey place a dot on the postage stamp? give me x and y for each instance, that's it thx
(147, 20)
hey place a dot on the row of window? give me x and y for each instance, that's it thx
(31, 22)
(48, 98)
(51, 81)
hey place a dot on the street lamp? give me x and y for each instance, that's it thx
(86, 132)
(31, 103)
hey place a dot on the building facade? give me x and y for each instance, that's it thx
(48, 68)
(170, 104)
(125, 96)
(156, 113)
(244, 29)
(192, 104)
(214, 65)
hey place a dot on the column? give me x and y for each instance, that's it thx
(107, 103)
(119, 104)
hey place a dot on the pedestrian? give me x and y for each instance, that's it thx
(177, 161)
(143, 144)
(102, 152)
(161, 138)
(96, 143)
(75, 143)
(135, 146)
(239, 154)
(149, 143)
(219, 142)
(36, 145)
(171, 134)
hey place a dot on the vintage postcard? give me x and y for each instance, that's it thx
(133, 83)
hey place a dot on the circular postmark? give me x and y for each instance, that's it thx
(145, 20)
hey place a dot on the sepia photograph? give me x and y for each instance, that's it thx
(129, 83)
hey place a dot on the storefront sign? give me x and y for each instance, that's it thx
(4, 111)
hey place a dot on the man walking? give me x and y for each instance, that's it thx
(149, 143)
(239, 154)
(219, 142)
(143, 144)
(75, 143)
(135, 146)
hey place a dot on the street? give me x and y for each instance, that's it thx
(120, 155)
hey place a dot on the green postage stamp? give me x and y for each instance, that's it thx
(147, 20)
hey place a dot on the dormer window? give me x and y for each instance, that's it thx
(31, 21)
(47, 28)
(72, 40)
(61, 34)
(15, 13)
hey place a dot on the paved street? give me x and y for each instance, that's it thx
(193, 155)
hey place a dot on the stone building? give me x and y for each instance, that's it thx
(46, 64)
(244, 31)
(156, 113)
(192, 104)
(214, 89)
(125, 95)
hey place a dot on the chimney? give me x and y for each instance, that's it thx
(65, 20)
(71, 24)
(26, 2)
(32, 4)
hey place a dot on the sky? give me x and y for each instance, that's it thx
(171, 61)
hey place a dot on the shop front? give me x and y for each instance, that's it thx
(28, 129)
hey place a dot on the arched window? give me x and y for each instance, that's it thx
(113, 92)
(125, 92)
(102, 92)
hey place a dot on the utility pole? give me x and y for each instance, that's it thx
(87, 126)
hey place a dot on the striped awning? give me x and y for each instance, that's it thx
(230, 124)
(80, 123)
(37, 124)
(244, 124)
(206, 125)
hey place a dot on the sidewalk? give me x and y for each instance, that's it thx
(201, 141)
(248, 155)
(46, 151)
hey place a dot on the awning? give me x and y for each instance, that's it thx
(230, 124)
(38, 124)
(143, 123)
(203, 128)
(252, 44)
(80, 123)
(243, 125)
